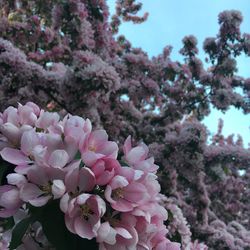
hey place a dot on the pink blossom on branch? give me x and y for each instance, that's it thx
(65, 161)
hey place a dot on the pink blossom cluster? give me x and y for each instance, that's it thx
(118, 204)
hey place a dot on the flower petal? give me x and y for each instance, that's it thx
(29, 192)
(28, 141)
(58, 188)
(83, 228)
(106, 234)
(14, 156)
(41, 201)
(58, 158)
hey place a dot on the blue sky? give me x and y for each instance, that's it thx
(170, 20)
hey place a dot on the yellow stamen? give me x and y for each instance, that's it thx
(46, 188)
(85, 211)
(92, 148)
(118, 193)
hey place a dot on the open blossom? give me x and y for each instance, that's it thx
(43, 185)
(150, 211)
(124, 194)
(95, 145)
(126, 236)
(77, 181)
(28, 113)
(137, 157)
(15, 121)
(80, 180)
(29, 149)
(104, 170)
(152, 234)
(47, 119)
(83, 216)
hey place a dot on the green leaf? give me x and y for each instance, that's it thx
(19, 231)
(52, 220)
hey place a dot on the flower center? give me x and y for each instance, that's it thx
(92, 148)
(46, 188)
(85, 211)
(118, 193)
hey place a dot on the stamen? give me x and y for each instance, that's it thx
(85, 211)
(46, 189)
(92, 148)
(118, 193)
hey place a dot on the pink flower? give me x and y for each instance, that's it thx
(116, 238)
(42, 187)
(14, 121)
(23, 115)
(30, 146)
(136, 154)
(84, 214)
(95, 145)
(29, 141)
(126, 236)
(77, 181)
(80, 180)
(136, 157)
(104, 170)
(151, 235)
(10, 115)
(36, 110)
(75, 126)
(11, 132)
(9, 201)
(106, 234)
(47, 119)
(149, 180)
(150, 211)
(57, 145)
(160, 242)
(124, 195)
(28, 113)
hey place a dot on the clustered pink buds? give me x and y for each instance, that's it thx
(66, 160)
